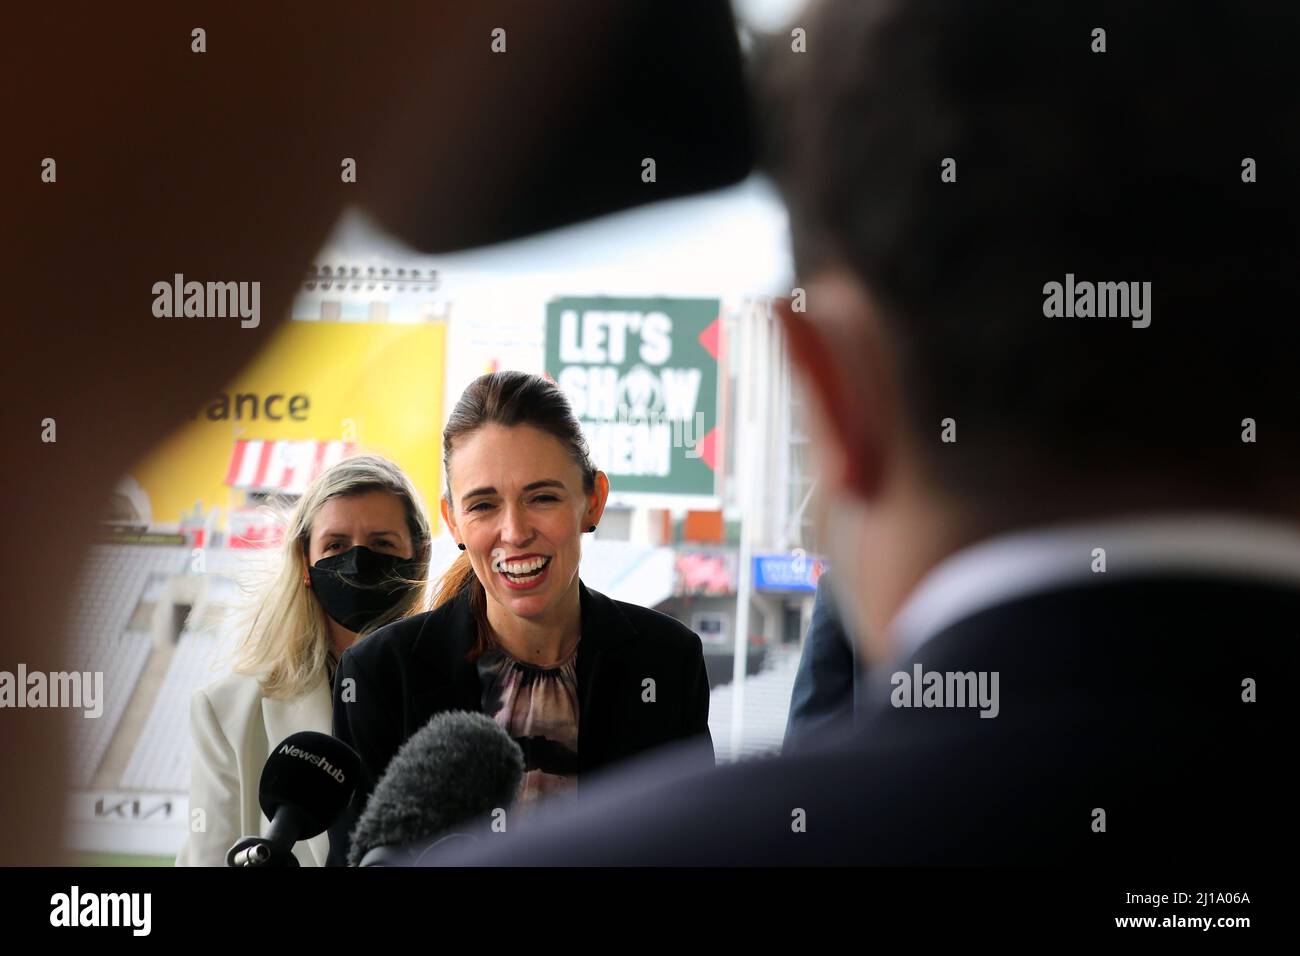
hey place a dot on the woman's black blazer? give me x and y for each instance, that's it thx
(414, 668)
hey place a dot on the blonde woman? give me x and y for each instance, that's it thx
(355, 552)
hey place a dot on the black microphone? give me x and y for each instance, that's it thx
(440, 785)
(306, 783)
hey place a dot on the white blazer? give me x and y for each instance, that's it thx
(233, 728)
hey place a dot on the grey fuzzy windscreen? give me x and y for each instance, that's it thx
(458, 767)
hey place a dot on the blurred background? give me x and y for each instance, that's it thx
(656, 323)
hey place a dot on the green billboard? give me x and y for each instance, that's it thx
(642, 376)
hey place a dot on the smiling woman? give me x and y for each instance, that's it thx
(577, 679)
(519, 498)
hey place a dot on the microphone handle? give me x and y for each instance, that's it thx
(287, 827)
(276, 848)
(254, 854)
(258, 852)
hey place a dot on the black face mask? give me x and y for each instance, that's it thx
(360, 586)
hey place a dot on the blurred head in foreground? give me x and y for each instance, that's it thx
(1047, 260)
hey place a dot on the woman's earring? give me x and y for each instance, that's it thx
(460, 545)
(592, 528)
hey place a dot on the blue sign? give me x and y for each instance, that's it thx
(787, 572)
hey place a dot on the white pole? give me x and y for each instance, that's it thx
(748, 462)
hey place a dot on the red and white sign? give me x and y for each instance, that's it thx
(251, 528)
(286, 466)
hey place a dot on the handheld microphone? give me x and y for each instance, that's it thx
(449, 774)
(306, 783)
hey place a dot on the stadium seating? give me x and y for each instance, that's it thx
(103, 637)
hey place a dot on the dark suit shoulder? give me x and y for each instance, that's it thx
(665, 632)
(390, 641)
(395, 644)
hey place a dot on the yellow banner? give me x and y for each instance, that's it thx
(375, 385)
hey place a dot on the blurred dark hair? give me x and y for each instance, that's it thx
(505, 398)
(1117, 166)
